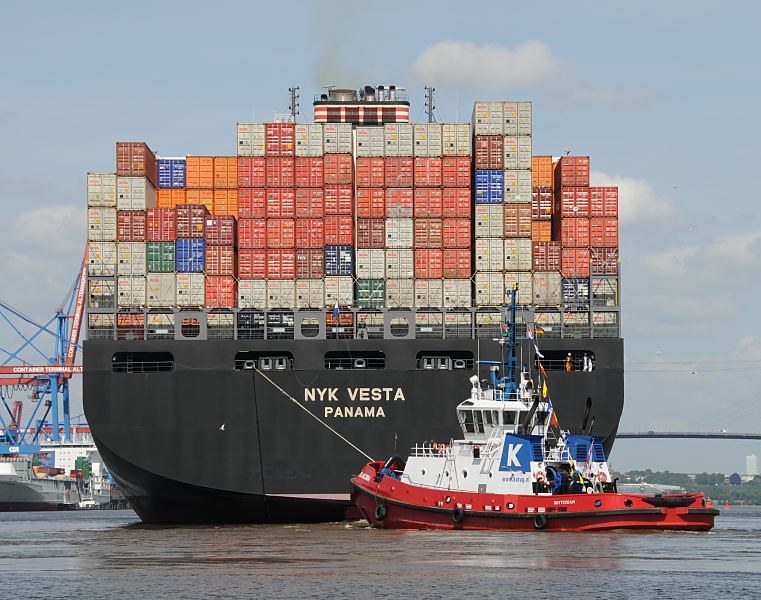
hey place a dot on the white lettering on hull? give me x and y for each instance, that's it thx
(355, 394)
(354, 411)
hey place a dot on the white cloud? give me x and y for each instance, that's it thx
(639, 203)
(748, 348)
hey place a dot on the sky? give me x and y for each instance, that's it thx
(662, 96)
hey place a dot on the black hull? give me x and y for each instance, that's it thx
(207, 443)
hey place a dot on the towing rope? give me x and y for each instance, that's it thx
(311, 414)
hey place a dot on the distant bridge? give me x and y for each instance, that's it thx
(695, 435)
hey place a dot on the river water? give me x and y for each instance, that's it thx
(109, 554)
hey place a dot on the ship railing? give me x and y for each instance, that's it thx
(431, 449)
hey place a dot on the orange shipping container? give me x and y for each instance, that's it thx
(199, 172)
(226, 202)
(541, 231)
(541, 172)
(169, 198)
(201, 198)
(225, 172)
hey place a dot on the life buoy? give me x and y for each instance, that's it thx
(380, 512)
(602, 477)
(458, 515)
(540, 522)
(539, 476)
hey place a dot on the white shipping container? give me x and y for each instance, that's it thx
(191, 289)
(101, 259)
(400, 293)
(339, 288)
(250, 139)
(428, 139)
(398, 139)
(484, 115)
(429, 293)
(371, 263)
(524, 281)
(309, 139)
(547, 288)
(490, 289)
(252, 293)
(369, 141)
(161, 290)
(101, 224)
(101, 189)
(101, 293)
(132, 257)
(455, 139)
(101, 321)
(490, 254)
(517, 152)
(281, 293)
(131, 291)
(400, 264)
(490, 221)
(399, 233)
(524, 118)
(134, 193)
(310, 293)
(518, 254)
(457, 293)
(517, 186)
(516, 118)
(337, 138)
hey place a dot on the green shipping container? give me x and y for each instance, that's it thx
(160, 257)
(371, 293)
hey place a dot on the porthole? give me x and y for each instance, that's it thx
(598, 503)
(510, 506)
(446, 473)
(491, 475)
(422, 471)
(464, 474)
(628, 502)
(448, 499)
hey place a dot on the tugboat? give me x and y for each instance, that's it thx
(515, 470)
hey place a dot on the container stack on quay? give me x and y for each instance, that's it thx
(309, 215)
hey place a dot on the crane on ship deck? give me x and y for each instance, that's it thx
(48, 379)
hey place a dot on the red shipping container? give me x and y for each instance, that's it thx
(309, 203)
(160, 225)
(603, 202)
(371, 233)
(541, 203)
(455, 233)
(456, 263)
(135, 159)
(225, 172)
(309, 172)
(573, 232)
(575, 262)
(281, 233)
(517, 220)
(191, 220)
(279, 139)
(371, 202)
(572, 171)
(252, 233)
(252, 172)
(252, 264)
(310, 233)
(429, 263)
(252, 203)
(280, 172)
(220, 231)
(455, 203)
(428, 172)
(399, 202)
(427, 203)
(428, 233)
(281, 264)
(603, 231)
(604, 261)
(339, 199)
(310, 264)
(545, 256)
(281, 203)
(399, 171)
(338, 169)
(339, 230)
(455, 171)
(221, 291)
(221, 260)
(572, 202)
(130, 225)
(489, 151)
(370, 172)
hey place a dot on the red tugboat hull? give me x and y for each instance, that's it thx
(393, 504)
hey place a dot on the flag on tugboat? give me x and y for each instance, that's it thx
(544, 389)
(504, 329)
(530, 332)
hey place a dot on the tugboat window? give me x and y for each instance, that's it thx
(487, 417)
(479, 421)
(466, 421)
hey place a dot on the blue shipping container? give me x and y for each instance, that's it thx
(576, 293)
(490, 186)
(171, 172)
(339, 260)
(190, 256)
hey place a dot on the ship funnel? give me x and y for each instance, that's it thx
(392, 92)
(369, 93)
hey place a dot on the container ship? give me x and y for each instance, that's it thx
(359, 262)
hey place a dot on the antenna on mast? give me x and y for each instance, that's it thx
(429, 106)
(294, 102)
